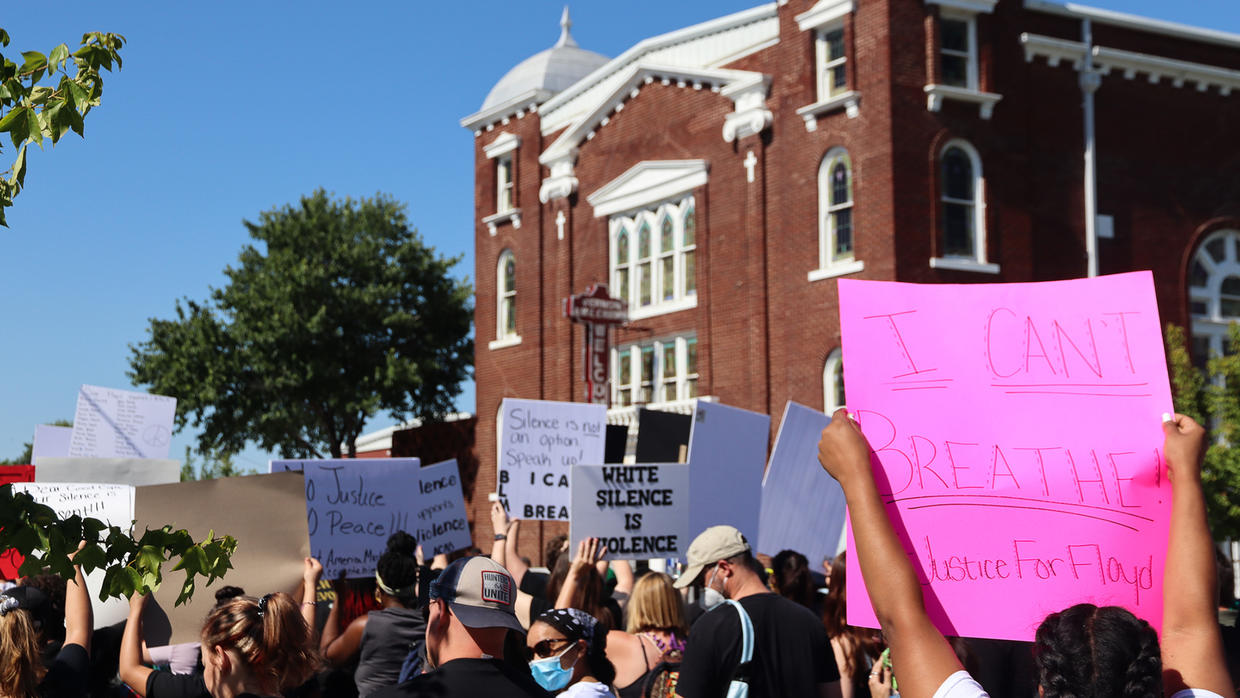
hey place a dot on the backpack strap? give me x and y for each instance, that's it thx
(741, 673)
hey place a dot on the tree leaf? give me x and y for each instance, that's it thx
(58, 56)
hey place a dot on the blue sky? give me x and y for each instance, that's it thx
(227, 109)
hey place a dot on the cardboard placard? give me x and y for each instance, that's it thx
(267, 516)
(353, 505)
(1018, 444)
(116, 471)
(539, 442)
(802, 506)
(639, 511)
(441, 524)
(110, 423)
(727, 456)
(50, 442)
(111, 504)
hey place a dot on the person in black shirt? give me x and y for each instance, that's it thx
(472, 611)
(23, 611)
(791, 656)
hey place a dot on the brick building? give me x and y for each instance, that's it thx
(720, 178)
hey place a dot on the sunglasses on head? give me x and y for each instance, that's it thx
(548, 648)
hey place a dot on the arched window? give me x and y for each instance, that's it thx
(962, 210)
(645, 266)
(833, 382)
(506, 296)
(835, 217)
(653, 262)
(622, 265)
(688, 250)
(667, 259)
(1214, 293)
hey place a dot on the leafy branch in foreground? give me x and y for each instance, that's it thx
(31, 112)
(129, 565)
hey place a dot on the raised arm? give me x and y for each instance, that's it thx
(129, 664)
(79, 616)
(589, 552)
(1192, 648)
(624, 582)
(310, 575)
(516, 562)
(921, 657)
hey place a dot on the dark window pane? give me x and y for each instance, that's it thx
(1198, 308)
(690, 274)
(843, 232)
(510, 316)
(957, 175)
(839, 184)
(622, 247)
(1201, 351)
(1229, 307)
(954, 70)
(1231, 286)
(1216, 249)
(954, 34)
(510, 274)
(665, 235)
(835, 44)
(691, 356)
(839, 76)
(1198, 275)
(957, 230)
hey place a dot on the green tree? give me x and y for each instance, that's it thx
(340, 312)
(1212, 398)
(212, 467)
(31, 112)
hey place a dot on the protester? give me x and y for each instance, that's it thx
(257, 647)
(791, 579)
(505, 551)
(568, 654)
(656, 625)
(24, 613)
(790, 649)
(856, 650)
(471, 610)
(583, 585)
(1083, 650)
(382, 639)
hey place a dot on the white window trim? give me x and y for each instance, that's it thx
(823, 64)
(653, 216)
(833, 364)
(824, 12)
(503, 144)
(1214, 323)
(502, 338)
(494, 220)
(978, 262)
(963, 11)
(681, 373)
(827, 268)
(849, 101)
(503, 149)
(648, 184)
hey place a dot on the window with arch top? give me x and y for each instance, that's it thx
(961, 240)
(836, 233)
(506, 301)
(1214, 293)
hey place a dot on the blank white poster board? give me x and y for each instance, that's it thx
(727, 455)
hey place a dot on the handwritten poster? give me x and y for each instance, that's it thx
(639, 511)
(802, 506)
(1018, 441)
(441, 523)
(10, 559)
(539, 442)
(111, 504)
(50, 442)
(353, 506)
(117, 471)
(113, 423)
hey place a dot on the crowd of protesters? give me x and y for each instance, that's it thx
(728, 625)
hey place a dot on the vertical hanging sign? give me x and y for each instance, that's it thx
(598, 311)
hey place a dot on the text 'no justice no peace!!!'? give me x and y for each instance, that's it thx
(1017, 432)
(540, 442)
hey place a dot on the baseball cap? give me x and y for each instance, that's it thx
(714, 544)
(480, 593)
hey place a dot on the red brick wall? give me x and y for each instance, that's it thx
(1168, 171)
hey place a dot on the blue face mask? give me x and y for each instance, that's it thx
(549, 674)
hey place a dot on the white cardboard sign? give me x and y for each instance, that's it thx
(441, 524)
(727, 455)
(111, 504)
(539, 443)
(117, 471)
(639, 511)
(352, 506)
(110, 423)
(50, 442)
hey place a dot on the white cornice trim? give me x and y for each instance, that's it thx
(986, 101)
(1053, 50)
(503, 144)
(1156, 68)
(519, 105)
(825, 12)
(648, 182)
(848, 101)
(662, 41)
(511, 340)
(1122, 19)
(974, 6)
(494, 220)
(963, 264)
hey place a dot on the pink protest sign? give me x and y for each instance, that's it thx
(1018, 444)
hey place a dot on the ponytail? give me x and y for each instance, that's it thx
(21, 665)
(269, 635)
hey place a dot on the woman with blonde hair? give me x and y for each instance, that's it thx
(22, 672)
(257, 647)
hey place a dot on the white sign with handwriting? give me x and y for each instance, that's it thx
(112, 423)
(539, 443)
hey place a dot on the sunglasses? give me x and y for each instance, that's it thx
(545, 648)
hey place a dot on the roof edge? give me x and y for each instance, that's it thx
(1130, 21)
(481, 119)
